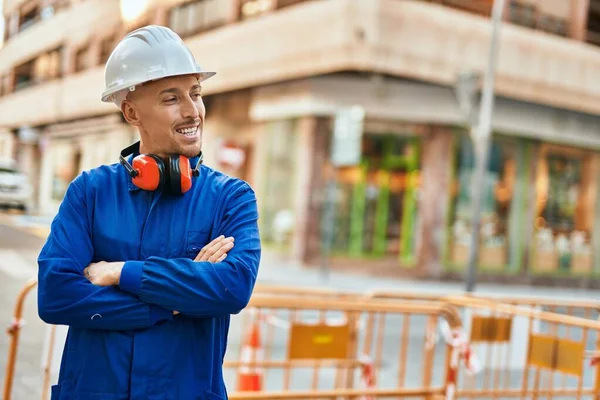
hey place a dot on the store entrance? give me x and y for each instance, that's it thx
(377, 201)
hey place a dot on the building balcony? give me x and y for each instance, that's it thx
(75, 24)
(412, 40)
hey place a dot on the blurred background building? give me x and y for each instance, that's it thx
(285, 67)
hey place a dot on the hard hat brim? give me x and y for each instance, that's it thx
(108, 94)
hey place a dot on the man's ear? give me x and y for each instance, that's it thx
(130, 113)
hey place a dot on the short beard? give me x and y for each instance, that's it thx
(191, 154)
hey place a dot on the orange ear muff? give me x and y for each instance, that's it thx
(180, 174)
(151, 172)
(186, 174)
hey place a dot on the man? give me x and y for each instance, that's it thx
(140, 261)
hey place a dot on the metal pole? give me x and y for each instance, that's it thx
(480, 135)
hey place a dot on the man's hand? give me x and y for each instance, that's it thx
(215, 251)
(104, 273)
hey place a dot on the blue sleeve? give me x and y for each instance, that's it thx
(65, 296)
(205, 289)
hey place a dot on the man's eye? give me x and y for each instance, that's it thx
(196, 95)
(170, 100)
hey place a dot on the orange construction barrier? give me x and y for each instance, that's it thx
(13, 332)
(249, 375)
(327, 346)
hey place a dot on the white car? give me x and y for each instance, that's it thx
(15, 188)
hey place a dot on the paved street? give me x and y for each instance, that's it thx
(18, 253)
(19, 247)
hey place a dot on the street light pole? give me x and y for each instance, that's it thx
(480, 135)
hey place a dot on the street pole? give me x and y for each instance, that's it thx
(480, 135)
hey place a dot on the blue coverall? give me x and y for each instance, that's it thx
(123, 341)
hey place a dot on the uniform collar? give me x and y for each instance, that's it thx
(130, 186)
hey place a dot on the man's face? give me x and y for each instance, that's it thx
(169, 114)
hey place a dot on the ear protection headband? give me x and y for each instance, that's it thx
(151, 172)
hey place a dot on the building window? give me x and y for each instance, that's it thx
(24, 75)
(43, 68)
(550, 16)
(503, 191)
(107, 45)
(29, 15)
(565, 211)
(287, 3)
(254, 8)
(48, 66)
(81, 58)
(194, 17)
(376, 211)
(3, 88)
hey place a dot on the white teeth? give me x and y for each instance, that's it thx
(188, 131)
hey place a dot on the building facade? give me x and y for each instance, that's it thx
(286, 67)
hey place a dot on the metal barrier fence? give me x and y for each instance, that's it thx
(555, 362)
(504, 334)
(577, 308)
(295, 343)
(340, 348)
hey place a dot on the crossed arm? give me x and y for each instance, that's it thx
(140, 294)
(104, 273)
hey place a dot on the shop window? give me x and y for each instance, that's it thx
(194, 17)
(499, 241)
(566, 192)
(277, 211)
(66, 164)
(376, 202)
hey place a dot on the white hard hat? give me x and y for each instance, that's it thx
(147, 54)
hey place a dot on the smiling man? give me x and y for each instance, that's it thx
(140, 262)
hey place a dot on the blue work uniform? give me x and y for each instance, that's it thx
(124, 341)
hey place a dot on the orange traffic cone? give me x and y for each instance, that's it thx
(250, 376)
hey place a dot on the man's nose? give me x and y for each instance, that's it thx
(189, 109)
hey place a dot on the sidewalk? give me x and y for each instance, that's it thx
(277, 270)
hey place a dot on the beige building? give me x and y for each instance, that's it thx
(286, 67)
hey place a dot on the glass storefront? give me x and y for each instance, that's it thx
(376, 202)
(277, 211)
(566, 186)
(65, 167)
(500, 241)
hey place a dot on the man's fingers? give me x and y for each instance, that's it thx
(208, 246)
(203, 251)
(220, 252)
(214, 248)
(224, 256)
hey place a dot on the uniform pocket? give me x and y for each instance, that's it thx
(62, 391)
(196, 240)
